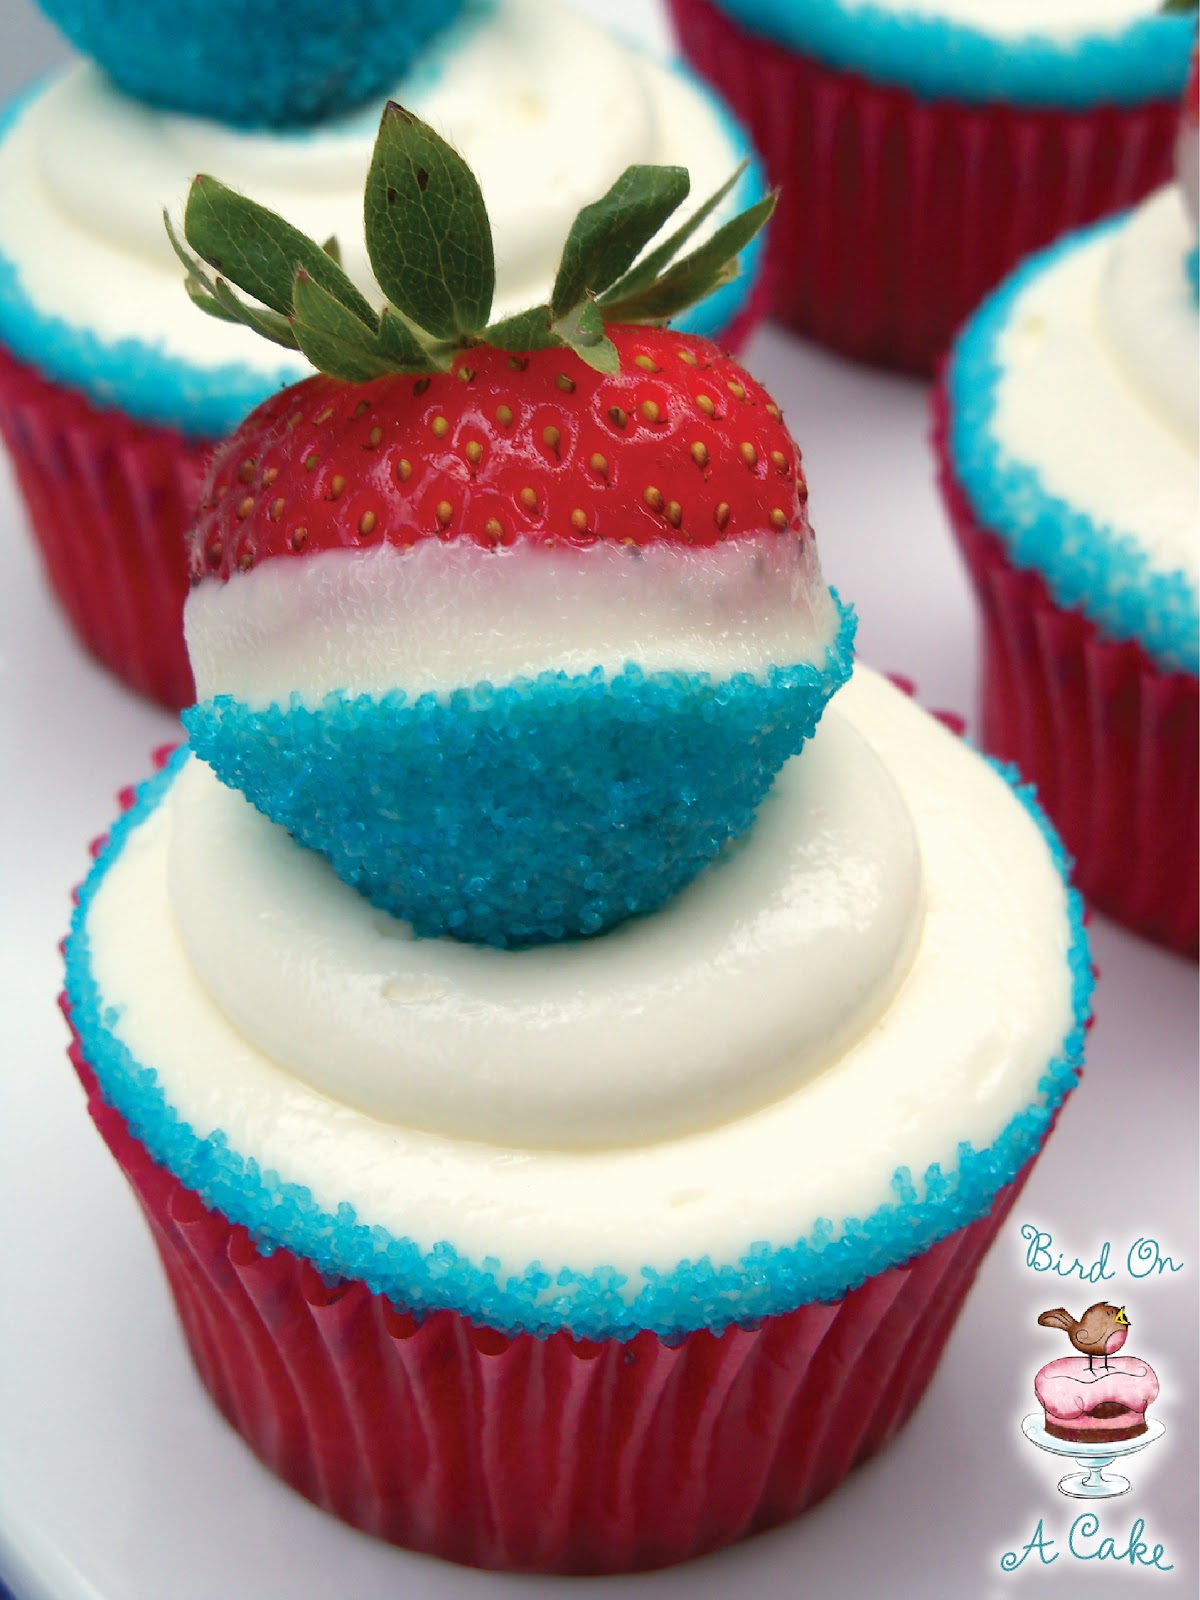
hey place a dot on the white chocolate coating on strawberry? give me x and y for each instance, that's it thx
(954, 1053)
(444, 615)
(547, 110)
(1098, 383)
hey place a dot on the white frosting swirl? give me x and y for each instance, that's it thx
(1148, 315)
(547, 109)
(955, 1053)
(444, 615)
(738, 991)
(1099, 370)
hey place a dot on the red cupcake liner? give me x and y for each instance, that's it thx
(109, 502)
(897, 214)
(553, 1454)
(556, 1454)
(1109, 740)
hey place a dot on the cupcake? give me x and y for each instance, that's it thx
(524, 1245)
(1066, 429)
(111, 395)
(924, 147)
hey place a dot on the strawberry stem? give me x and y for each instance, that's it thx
(429, 242)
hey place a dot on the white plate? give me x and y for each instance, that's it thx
(118, 1481)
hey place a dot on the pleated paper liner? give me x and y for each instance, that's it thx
(1110, 741)
(109, 501)
(543, 1455)
(898, 214)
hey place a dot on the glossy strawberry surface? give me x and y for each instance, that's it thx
(681, 444)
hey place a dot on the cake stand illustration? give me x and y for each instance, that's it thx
(1091, 1483)
(1094, 1403)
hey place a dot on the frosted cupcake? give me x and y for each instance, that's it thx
(925, 146)
(1067, 435)
(594, 1253)
(112, 393)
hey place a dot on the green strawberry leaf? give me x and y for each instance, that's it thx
(267, 323)
(427, 229)
(403, 349)
(607, 236)
(332, 338)
(583, 330)
(650, 266)
(259, 251)
(1170, 7)
(208, 303)
(217, 299)
(711, 264)
(430, 244)
(526, 330)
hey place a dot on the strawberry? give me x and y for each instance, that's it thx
(679, 445)
(507, 809)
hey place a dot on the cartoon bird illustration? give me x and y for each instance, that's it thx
(1100, 1331)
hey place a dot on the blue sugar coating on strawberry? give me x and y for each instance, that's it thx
(937, 58)
(275, 63)
(546, 809)
(771, 1278)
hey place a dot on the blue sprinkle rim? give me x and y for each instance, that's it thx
(767, 1281)
(129, 375)
(1091, 567)
(141, 379)
(942, 60)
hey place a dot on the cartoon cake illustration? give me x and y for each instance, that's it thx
(1098, 1396)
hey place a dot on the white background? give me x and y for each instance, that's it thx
(117, 1479)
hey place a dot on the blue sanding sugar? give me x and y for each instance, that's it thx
(769, 1279)
(546, 809)
(136, 376)
(275, 63)
(938, 58)
(1100, 570)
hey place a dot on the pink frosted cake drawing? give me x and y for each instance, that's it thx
(1098, 1396)
(1093, 1404)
